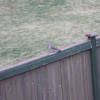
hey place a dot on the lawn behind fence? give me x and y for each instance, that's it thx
(26, 26)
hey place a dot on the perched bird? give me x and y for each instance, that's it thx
(53, 49)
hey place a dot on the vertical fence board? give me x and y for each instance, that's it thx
(23, 86)
(51, 82)
(84, 67)
(88, 73)
(2, 91)
(65, 80)
(44, 83)
(71, 79)
(19, 87)
(30, 85)
(37, 82)
(84, 77)
(54, 81)
(77, 77)
(16, 88)
(57, 80)
(87, 76)
(9, 89)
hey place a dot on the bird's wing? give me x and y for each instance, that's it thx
(52, 47)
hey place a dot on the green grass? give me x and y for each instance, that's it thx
(27, 27)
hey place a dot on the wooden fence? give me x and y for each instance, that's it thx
(61, 76)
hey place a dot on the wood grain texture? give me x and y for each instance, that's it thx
(51, 84)
(54, 81)
(66, 79)
(2, 91)
(75, 64)
(9, 89)
(19, 87)
(30, 85)
(37, 83)
(76, 77)
(57, 80)
(44, 83)
(87, 78)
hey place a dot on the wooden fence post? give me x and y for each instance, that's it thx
(94, 67)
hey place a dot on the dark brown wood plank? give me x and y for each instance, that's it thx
(77, 77)
(16, 87)
(57, 80)
(37, 84)
(87, 76)
(71, 79)
(20, 87)
(83, 79)
(65, 80)
(9, 89)
(51, 84)
(84, 74)
(30, 85)
(44, 83)
(54, 81)
(2, 91)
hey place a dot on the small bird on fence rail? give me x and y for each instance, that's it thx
(53, 49)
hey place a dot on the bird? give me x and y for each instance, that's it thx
(53, 49)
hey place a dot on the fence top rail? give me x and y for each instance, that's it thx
(45, 59)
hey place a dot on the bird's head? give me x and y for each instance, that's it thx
(49, 44)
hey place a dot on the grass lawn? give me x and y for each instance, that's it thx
(26, 27)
